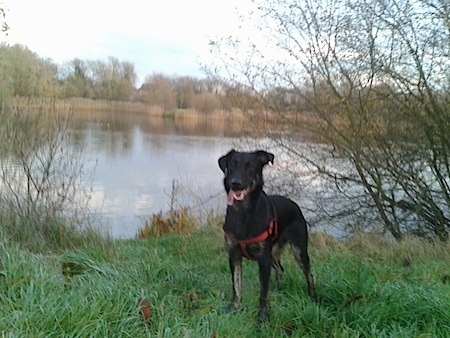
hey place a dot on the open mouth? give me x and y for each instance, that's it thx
(237, 195)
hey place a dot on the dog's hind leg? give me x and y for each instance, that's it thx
(298, 238)
(302, 258)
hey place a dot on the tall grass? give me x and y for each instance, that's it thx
(80, 104)
(365, 290)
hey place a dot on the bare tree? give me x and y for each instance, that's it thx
(184, 88)
(43, 195)
(206, 102)
(112, 80)
(76, 79)
(157, 89)
(373, 78)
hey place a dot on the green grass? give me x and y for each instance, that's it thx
(367, 288)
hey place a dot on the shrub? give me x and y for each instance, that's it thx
(43, 199)
(178, 221)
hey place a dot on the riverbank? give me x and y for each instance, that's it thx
(81, 105)
(250, 122)
(367, 287)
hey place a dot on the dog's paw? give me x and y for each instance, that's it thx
(233, 307)
(263, 316)
(312, 295)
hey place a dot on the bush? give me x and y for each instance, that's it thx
(178, 221)
(43, 199)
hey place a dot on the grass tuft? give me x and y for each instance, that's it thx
(178, 221)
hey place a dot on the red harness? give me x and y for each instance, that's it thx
(271, 231)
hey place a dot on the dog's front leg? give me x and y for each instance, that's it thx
(235, 260)
(265, 266)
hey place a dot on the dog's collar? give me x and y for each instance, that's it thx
(270, 232)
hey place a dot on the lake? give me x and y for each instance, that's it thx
(139, 160)
(142, 165)
(138, 166)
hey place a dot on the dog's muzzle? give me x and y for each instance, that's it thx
(237, 195)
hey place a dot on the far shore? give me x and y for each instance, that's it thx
(80, 105)
(250, 122)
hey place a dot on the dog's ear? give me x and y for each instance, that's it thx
(264, 157)
(223, 161)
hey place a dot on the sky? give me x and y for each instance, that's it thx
(164, 36)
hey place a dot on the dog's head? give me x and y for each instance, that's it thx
(243, 173)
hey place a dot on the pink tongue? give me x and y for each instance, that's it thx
(230, 197)
(231, 194)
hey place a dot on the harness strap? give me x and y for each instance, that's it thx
(271, 231)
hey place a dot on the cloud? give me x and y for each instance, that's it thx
(157, 36)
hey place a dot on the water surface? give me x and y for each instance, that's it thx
(139, 160)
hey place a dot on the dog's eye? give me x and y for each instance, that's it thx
(233, 164)
(249, 166)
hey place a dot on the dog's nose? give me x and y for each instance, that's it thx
(236, 184)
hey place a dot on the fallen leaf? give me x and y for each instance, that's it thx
(144, 310)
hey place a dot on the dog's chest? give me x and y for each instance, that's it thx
(244, 226)
(254, 250)
(250, 230)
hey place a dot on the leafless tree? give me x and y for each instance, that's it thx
(43, 185)
(372, 83)
(157, 89)
(184, 88)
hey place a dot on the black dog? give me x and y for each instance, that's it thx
(258, 226)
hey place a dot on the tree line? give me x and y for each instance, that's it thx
(24, 73)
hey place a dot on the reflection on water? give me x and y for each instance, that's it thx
(230, 126)
(137, 158)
